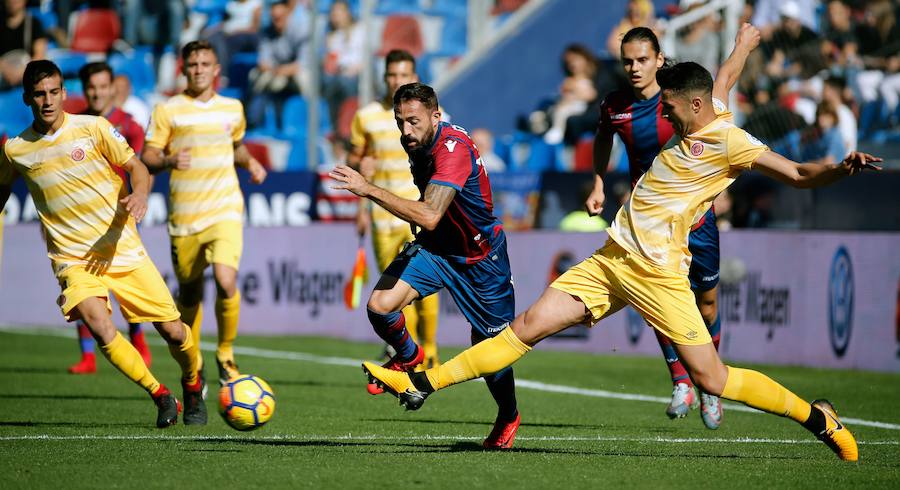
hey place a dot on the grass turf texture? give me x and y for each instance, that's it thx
(328, 432)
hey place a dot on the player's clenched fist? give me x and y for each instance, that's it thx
(257, 172)
(181, 160)
(748, 37)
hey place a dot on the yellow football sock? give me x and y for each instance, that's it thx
(486, 357)
(228, 312)
(411, 317)
(126, 359)
(428, 324)
(187, 355)
(192, 317)
(757, 390)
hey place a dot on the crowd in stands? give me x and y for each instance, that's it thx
(826, 76)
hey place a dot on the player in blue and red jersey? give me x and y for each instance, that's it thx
(460, 245)
(96, 81)
(636, 116)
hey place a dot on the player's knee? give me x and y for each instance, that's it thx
(101, 326)
(381, 303)
(709, 310)
(173, 333)
(226, 286)
(710, 380)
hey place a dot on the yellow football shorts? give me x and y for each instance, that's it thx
(387, 244)
(612, 278)
(221, 243)
(142, 294)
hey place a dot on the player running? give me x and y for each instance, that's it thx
(636, 116)
(96, 81)
(380, 157)
(461, 246)
(92, 241)
(646, 259)
(198, 135)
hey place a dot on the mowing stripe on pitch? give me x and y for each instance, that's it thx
(520, 383)
(425, 438)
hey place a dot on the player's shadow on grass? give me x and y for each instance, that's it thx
(33, 396)
(486, 423)
(275, 383)
(32, 370)
(289, 443)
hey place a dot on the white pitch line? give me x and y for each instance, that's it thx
(522, 383)
(423, 438)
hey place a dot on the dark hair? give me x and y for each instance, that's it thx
(90, 69)
(685, 77)
(200, 45)
(398, 55)
(642, 34)
(584, 52)
(38, 70)
(417, 91)
(826, 109)
(837, 82)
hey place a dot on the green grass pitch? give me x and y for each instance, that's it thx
(64, 431)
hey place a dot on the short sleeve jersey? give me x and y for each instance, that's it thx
(127, 127)
(208, 192)
(374, 129)
(468, 231)
(76, 192)
(679, 188)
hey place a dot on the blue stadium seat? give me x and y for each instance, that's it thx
(239, 70)
(138, 67)
(453, 37)
(448, 9)
(69, 62)
(48, 18)
(325, 7)
(296, 120)
(214, 10)
(16, 116)
(297, 158)
(393, 7)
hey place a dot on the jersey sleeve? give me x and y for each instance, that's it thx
(357, 133)
(743, 149)
(239, 129)
(112, 145)
(160, 128)
(452, 164)
(722, 110)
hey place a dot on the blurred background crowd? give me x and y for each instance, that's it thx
(824, 81)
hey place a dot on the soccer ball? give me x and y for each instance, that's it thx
(246, 402)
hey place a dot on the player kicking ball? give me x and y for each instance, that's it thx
(92, 241)
(645, 264)
(460, 245)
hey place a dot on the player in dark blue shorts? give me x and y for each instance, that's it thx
(460, 245)
(636, 116)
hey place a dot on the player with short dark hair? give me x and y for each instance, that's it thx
(89, 220)
(635, 115)
(645, 263)
(379, 156)
(198, 136)
(460, 245)
(97, 84)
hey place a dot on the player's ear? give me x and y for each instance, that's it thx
(436, 117)
(696, 104)
(660, 60)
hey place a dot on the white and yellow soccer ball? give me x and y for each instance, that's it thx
(246, 402)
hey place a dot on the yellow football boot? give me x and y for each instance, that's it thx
(836, 435)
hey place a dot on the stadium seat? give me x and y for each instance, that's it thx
(68, 62)
(453, 37)
(402, 32)
(260, 152)
(48, 17)
(95, 30)
(16, 116)
(239, 70)
(296, 118)
(75, 104)
(507, 6)
(584, 155)
(394, 7)
(138, 67)
(345, 116)
(213, 9)
(325, 7)
(297, 158)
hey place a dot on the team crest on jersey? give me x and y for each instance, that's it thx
(451, 145)
(227, 126)
(116, 134)
(77, 154)
(697, 149)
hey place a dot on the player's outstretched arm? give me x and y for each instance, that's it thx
(807, 175)
(244, 159)
(603, 143)
(157, 161)
(8, 175)
(425, 214)
(136, 202)
(747, 40)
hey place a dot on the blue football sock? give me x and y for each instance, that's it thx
(502, 385)
(391, 327)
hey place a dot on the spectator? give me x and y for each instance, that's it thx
(576, 92)
(824, 144)
(835, 94)
(154, 22)
(484, 141)
(767, 14)
(879, 47)
(238, 33)
(700, 41)
(344, 47)
(278, 73)
(794, 50)
(841, 44)
(638, 13)
(125, 100)
(22, 38)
